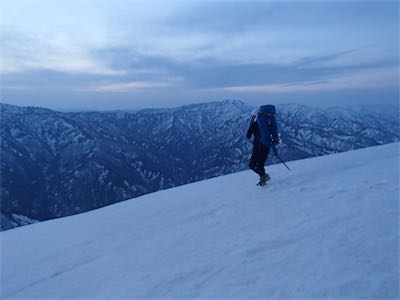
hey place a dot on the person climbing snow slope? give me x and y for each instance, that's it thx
(263, 128)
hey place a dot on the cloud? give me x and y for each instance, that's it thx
(27, 51)
(366, 80)
(123, 87)
(226, 46)
(14, 87)
(69, 39)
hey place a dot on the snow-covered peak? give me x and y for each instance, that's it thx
(14, 109)
(56, 164)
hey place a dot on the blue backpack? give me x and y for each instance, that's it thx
(267, 124)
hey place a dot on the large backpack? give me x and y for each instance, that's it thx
(267, 124)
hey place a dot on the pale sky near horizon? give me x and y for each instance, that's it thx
(124, 54)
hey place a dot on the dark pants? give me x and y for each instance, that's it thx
(258, 158)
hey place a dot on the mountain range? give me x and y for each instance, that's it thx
(55, 164)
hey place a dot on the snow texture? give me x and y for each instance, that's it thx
(328, 229)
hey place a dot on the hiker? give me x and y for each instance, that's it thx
(260, 151)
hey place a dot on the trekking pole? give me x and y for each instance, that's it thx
(276, 153)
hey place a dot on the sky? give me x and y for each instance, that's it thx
(124, 54)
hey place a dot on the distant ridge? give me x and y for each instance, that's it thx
(57, 164)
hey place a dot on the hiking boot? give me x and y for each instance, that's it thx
(264, 179)
(267, 177)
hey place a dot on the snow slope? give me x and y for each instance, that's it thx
(327, 229)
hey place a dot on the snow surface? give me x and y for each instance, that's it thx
(328, 229)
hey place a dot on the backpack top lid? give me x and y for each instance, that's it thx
(254, 112)
(267, 109)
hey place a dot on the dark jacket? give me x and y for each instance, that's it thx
(254, 130)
